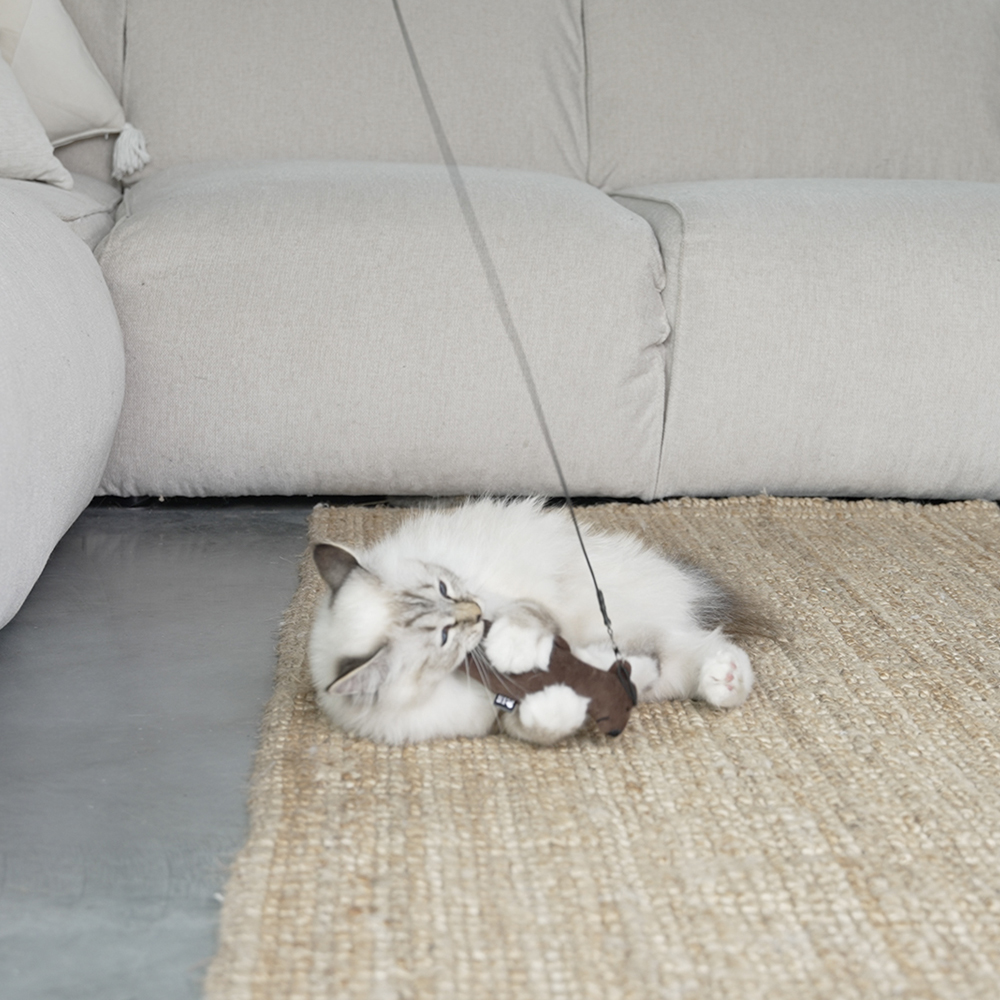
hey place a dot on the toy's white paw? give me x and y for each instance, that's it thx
(513, 648)
(726, 677)
(549, 715)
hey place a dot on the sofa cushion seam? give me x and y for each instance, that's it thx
(673, 327)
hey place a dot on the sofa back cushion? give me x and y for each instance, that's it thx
(707, 89)
(330, 79)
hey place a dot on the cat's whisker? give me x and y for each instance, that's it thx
(471, 655)
(479, 659)
(489, 668)
(482, 661)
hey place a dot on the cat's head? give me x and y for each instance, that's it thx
(375, 637)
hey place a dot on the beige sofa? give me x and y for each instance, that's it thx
(749, 247)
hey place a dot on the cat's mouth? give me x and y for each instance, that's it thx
(475, 634)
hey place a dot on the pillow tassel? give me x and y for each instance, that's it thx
(130, 152)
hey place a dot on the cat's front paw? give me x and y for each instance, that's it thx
(726, 677)
(548, 716)
(514, 647)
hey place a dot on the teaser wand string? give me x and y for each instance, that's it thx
(499, 299)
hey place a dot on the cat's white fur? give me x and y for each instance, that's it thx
(400, 617)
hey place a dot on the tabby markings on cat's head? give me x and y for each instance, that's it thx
(368, 632)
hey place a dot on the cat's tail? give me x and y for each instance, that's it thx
(737, 615)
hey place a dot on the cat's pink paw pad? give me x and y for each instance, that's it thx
(726, 677)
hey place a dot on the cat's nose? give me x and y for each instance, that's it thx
(467, 611)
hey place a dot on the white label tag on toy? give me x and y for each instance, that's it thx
(505, 702)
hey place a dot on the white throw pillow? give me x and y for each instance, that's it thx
(56, 71)
(25, 151)
(61, 81)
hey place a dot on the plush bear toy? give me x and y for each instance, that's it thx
(611, 692)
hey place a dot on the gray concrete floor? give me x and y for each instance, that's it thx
(132, 683)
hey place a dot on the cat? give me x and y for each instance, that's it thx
(397, 620)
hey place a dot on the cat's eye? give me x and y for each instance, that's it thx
(442, 588)
(444, 632)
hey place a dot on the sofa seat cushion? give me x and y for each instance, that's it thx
(831, 337)
(61, 383)
(325, 328)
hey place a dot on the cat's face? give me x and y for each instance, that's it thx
(375, 638)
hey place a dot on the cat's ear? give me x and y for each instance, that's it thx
(335, 564)
(361, 676)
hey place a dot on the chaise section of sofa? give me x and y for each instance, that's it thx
(61, 383)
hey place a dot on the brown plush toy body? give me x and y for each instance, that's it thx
(611, 692)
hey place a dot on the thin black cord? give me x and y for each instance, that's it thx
(499, 299)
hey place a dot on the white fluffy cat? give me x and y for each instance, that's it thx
(399, 618)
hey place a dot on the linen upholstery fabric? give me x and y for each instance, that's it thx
(831, 338)
(88, 209)
(61, 385)
(313, 327)
(59, 76)
(92, 157)
(709, 89)
(304, 79)
(25, 153)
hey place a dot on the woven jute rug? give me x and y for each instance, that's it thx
(838, 836)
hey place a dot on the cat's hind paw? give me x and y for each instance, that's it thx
(726, 677)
